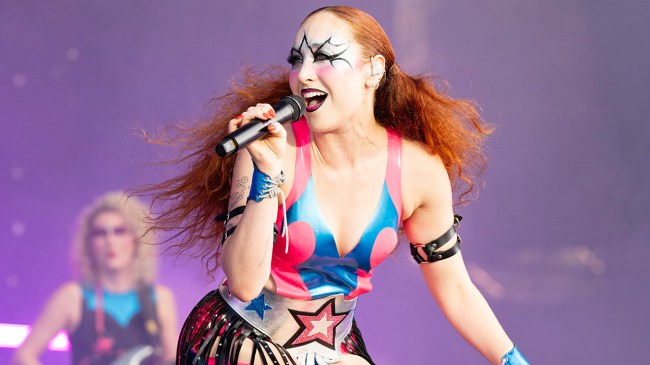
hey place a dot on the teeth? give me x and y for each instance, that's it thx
(311, 94)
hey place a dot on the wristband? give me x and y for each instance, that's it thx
(263, 186)
(514, 357)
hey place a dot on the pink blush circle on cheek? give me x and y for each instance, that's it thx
(326, 71)
(293, 78)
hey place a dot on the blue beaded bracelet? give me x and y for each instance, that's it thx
(263, 186)
(514, 357)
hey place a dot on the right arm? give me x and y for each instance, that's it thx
(61, 312)
(246, 254)
(166, 313)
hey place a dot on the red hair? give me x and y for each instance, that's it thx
(190, 201)
(448, 127)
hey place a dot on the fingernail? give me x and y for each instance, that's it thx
(239, 116)
(272, 113)
(271, 127)
(266, 115)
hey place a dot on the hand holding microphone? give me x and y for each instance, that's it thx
(289, 108)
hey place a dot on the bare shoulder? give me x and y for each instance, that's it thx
(419, 160)
(424, 176)
(164, 294)
(426, 193)
(70, 291)
(66, 303)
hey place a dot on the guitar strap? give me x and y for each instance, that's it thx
(149, 316)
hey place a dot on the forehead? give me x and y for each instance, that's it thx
(319, 27)
(108, 217)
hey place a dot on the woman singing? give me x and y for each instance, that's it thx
(307, 213)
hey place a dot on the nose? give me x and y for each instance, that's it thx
(110, 239)
(306, 72)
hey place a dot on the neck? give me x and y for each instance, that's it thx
(350, 144)
(117, 280)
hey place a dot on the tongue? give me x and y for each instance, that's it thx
(313, 102)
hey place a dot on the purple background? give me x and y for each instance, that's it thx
(557, 241)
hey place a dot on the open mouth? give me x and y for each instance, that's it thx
(314, 98)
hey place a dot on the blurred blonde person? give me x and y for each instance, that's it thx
(114, 311)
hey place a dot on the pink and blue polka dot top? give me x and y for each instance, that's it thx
(312, 267)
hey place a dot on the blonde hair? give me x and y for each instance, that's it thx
(135, 213)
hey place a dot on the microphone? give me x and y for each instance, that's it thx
(289, 108)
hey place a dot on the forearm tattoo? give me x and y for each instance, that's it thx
(242, 186)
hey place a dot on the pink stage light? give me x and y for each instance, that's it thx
(13, 335)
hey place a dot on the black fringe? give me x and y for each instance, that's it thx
(354, 344)
(212, 324)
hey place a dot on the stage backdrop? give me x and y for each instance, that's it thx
(557, 241)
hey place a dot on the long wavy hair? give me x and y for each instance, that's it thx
(448, 127)
(135, 214)
(451, 128)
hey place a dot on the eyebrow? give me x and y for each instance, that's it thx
(318, 46)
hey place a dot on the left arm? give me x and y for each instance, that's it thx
(431, 215)
(166, 312)
(465, 308)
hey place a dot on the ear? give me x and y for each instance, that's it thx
(377, 71)
(378, 65)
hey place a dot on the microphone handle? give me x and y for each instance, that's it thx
(242, 137)
(250, 132)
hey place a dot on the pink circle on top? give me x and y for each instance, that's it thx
(384, 244)
(301, 246)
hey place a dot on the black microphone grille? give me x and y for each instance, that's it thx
(298, 106)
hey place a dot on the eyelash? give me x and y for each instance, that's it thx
(318, 56)
(293, 59)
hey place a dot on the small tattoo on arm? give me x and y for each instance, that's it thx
(241, 186)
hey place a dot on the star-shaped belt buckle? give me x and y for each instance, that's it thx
(319, 326)
(259, 306)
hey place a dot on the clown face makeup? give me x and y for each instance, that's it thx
(327, 68)
(320, 54)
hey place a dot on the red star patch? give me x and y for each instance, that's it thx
(319, 326)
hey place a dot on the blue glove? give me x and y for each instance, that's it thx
(514, 357)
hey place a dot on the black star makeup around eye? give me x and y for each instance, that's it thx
(325, 51)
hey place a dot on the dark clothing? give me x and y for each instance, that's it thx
(126, 319)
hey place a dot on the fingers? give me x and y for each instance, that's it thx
(277, 130)
(235, 123)
(260, 111)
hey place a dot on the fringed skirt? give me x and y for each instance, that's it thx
(269, 329)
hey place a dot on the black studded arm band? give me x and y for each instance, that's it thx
(225, 217)
(430, 248)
